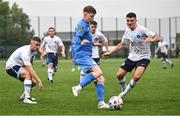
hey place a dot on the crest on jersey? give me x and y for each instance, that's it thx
(79, 29)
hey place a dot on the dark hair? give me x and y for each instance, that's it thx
(93, 23)
(89, 9)
(52, 28)
(131, 14)
(36, 38)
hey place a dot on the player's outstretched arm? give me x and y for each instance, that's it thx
(63, 51)
(119, 46)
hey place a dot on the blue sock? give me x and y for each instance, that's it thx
(100, 91)
(88, 79)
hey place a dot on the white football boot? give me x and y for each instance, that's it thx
(76, 90)
(102, 105)
(29, 101)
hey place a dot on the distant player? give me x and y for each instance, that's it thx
(138, 38)
(19, 66)
(50, 44)
(72, 51)
(99, 40)
(164, 49)
(83, 57)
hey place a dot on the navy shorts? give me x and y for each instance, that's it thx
(52, 59)
(97, 60)
(15, 72)
(163, 55)
(129, 65)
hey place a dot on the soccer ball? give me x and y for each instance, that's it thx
(115, 103)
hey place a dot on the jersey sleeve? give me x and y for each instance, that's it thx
(102, 37)
(26, 59)
(80, 30)
(148, 32)
(60, 43)
(125, 38)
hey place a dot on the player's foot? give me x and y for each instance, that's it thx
(164, 67)
(73, 69)
(122, 95)
(102, 105)
(76, 90)
(22, 97)
(51, 81)
(29, 101)
(172, 65)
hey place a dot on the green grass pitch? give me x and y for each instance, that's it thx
(157, 93)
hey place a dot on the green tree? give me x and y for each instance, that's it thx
(15, 25)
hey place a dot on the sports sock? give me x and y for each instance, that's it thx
(131, 84)
(27, 88)
(82, 75)
(122, 82)
(88, 79)
(100, 91)
(50, 73)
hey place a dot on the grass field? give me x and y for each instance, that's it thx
(158, 92)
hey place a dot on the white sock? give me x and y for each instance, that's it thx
(131, 84)
(27, 88)
(50, 73)
(168, 61)
(82, 75)
(122, 82)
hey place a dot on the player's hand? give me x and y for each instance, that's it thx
(41, 86)
(106, 54)
(147, 40)
(84, 42)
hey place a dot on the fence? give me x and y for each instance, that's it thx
(166, 27)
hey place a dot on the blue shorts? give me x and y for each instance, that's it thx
(86, 64)
(15, 72)
(52, 58)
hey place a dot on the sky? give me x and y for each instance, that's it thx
(110, 9)
(105, 8)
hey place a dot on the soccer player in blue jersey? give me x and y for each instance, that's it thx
(83, 56)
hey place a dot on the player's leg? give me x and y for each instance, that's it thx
(121, 77)
(100, 92)
(127, 66)
(163, 60)
(50, 66)
(88, 66)
(82, 75)
(24, 75)
(139, 71)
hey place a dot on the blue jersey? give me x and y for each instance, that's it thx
(82, 31)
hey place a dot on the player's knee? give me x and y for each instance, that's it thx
(101, 80)
(25, 74)
(119, 75)
(137, 77)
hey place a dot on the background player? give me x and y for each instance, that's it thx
(19, 66)
(138, 38)
(50, 44)
(164, 49)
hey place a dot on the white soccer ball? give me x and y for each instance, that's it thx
(115, 102)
